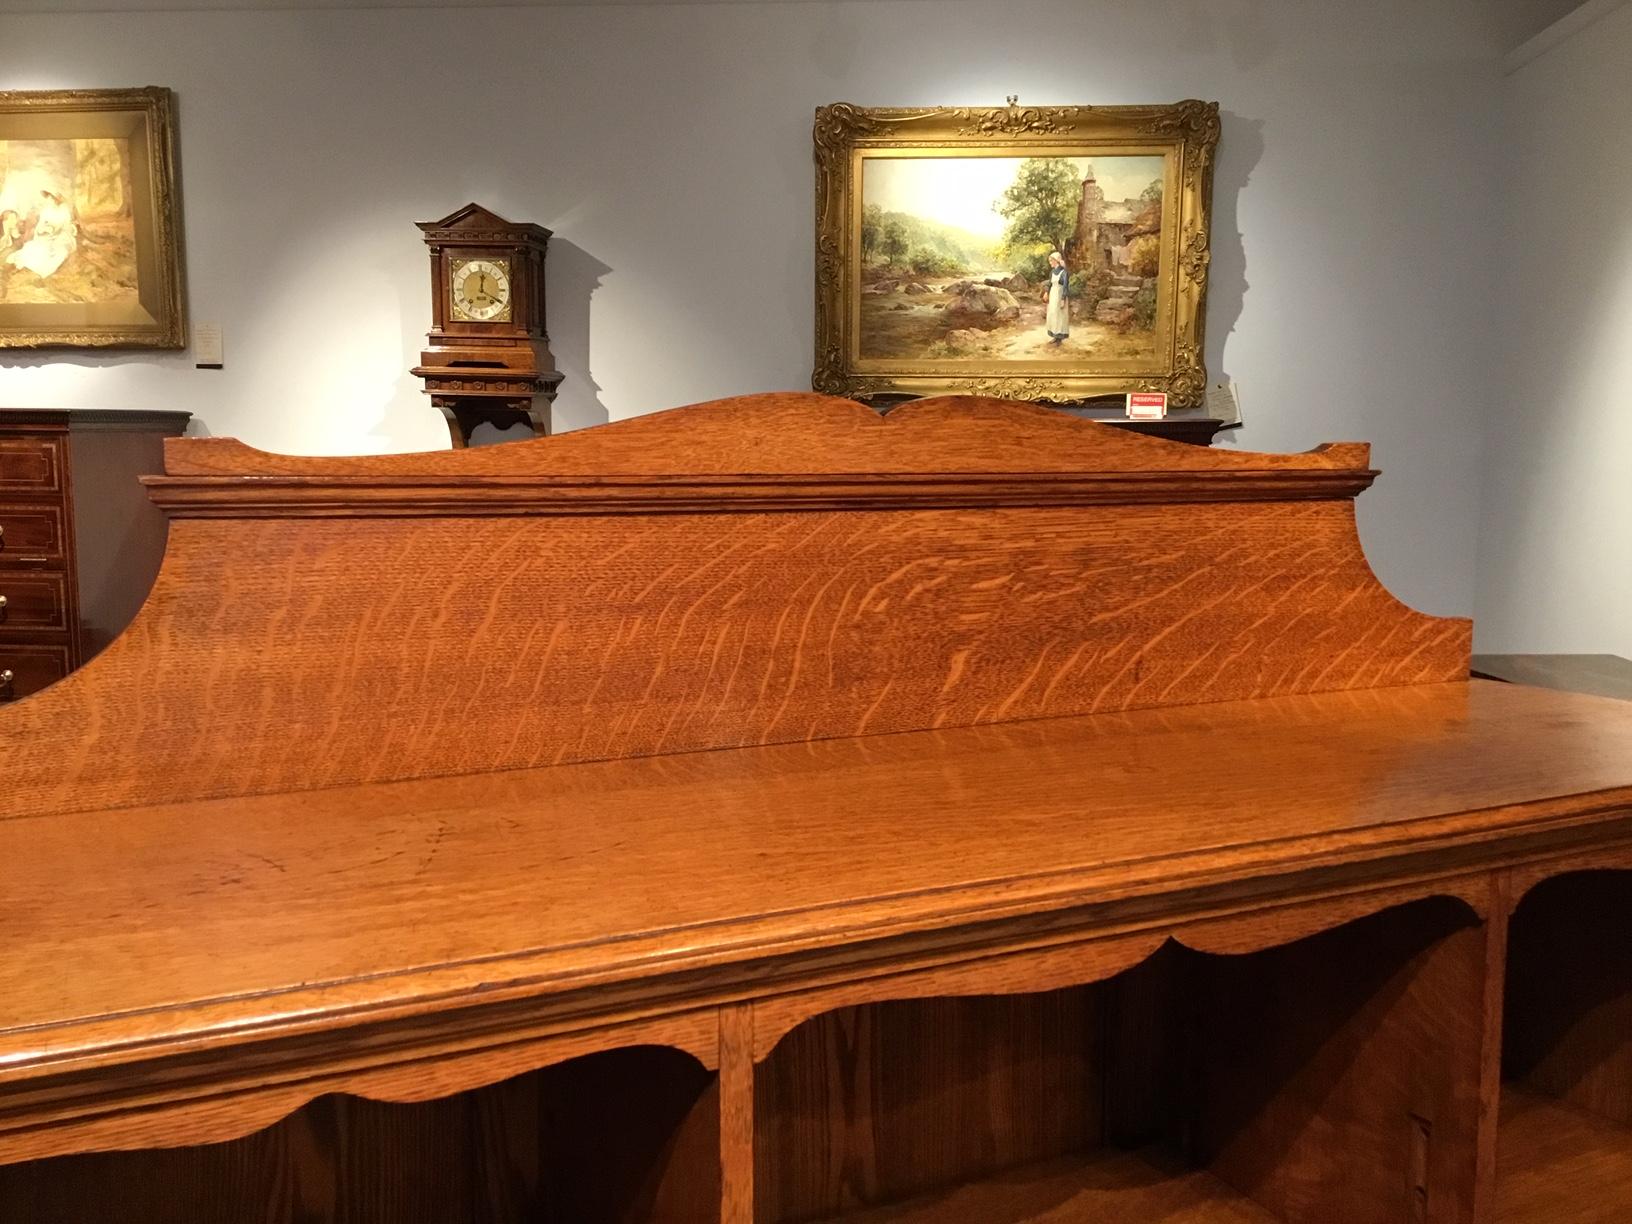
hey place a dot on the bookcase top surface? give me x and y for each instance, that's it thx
(280, 909)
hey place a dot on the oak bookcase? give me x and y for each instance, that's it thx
(770, 812)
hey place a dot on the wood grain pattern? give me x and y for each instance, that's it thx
(613, 1138)
(379, 931)
(396, 790)
(789, 433)
(1053, 963)
(30, 464)
(876, 1104)
(937, 584)
(1341, 1074)
(1335, 1079)
(1569, 1026)
(737, 1112)
(79, 541)
(1560, 1163)
(1049, 967)
(471, 1159)
(1103, 1187)
(1492, 1015)
(206, 1099)
(629, 1137)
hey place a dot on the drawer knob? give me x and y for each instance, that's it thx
(3, 602)
(6, 677)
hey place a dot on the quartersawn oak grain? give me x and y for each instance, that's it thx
(485, 902)
(714, 805)
(791, 434)
(777, 568)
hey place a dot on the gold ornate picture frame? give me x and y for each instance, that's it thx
(90, 220)
(1045, 253)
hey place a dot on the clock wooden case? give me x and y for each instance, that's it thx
(489, 354)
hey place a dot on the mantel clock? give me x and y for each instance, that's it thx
(489, 354)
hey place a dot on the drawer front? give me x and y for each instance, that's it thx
(27, 669)
(30, 533)
(30, 465)
(32, 599)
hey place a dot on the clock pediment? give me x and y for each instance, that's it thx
(473, 223)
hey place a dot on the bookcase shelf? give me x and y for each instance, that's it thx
(625, 1135)
(1304, 1082)
(1557, 1162)
(1565, 1138)
(1104, 1187)
(845, 813)
(1323, 1080)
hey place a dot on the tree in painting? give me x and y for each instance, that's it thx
(956, 264)
(1041, 205)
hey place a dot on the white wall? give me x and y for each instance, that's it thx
(1517, 21)
(669, 149)
(1555, 553)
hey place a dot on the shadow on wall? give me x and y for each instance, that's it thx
(571, 275)
(574, 275)
(1241, 144)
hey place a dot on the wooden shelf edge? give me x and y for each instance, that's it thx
(1108, 1186)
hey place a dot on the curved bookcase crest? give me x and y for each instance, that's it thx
(787, 433)
(758, 570)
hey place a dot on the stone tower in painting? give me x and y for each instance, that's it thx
(1087, 250)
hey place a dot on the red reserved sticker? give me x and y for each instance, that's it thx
(1147, 405)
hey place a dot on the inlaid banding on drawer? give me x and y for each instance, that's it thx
(27, 669)
(30, 533)
(31, 600)
(30, 465)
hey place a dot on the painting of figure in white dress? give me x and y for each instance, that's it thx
(67, 225)
(1013, 258)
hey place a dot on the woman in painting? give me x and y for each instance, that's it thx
(11, 231)
(54, 239)
(1058, 317)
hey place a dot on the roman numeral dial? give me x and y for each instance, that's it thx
(480, 290)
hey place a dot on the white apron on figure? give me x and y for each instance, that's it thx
(1058, 319)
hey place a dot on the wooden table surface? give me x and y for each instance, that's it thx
(266, 909)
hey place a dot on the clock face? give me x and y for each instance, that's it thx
(481, 290)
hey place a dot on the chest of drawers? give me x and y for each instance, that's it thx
(79, 540)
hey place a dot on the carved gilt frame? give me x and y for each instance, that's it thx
(145, 117)
(1185, 133)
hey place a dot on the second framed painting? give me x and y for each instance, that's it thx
(90, 227)
(1042, 253)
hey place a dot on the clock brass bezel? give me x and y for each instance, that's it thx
(457, 264)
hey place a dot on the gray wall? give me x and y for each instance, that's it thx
(669, 149)
(1555, 553)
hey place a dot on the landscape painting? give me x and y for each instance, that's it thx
(1043, 258)
(1057, 254)
(67, 223)
(90, 220)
